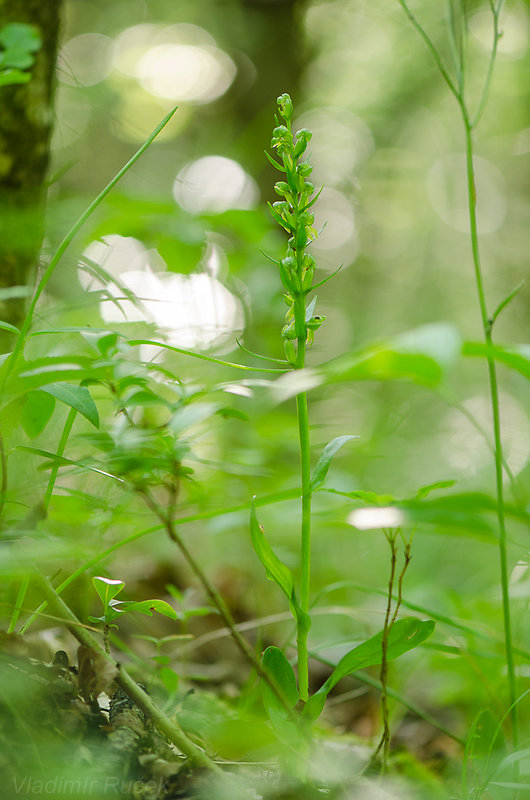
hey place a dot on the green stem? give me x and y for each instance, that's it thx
(487, 324)
(21, 594)
(302, 632)
(495, 10)
(305, 467)
(495, 407)
(70, 419)
(431, 47)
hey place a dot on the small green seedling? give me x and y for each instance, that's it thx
(108, 589)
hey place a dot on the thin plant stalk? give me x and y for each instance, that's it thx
(390, 618)
(296, 272)
(70, 419)
(302, 632)
(487, 326)
(21, 595)
(469, 123)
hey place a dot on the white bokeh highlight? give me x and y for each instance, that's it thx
(189, 311)
(214, 184)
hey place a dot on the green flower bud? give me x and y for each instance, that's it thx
(286, 106)
(304, 169)
(289, 263)
(290, 352)
(281, 135)
(289, 331)
(282, 188)
(302, 138)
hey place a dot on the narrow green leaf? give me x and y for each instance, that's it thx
(275, 570)
(404, 635)
(148, 606)
(37, 410)
(6, 326)
(77, 397)
(282, 673)
(66, 462)
(201, 356)
(274, 163)
(324, 462)
(508, 299)
(433, 487)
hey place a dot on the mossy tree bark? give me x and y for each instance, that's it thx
(26, 116)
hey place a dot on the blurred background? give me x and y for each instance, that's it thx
(187, 230)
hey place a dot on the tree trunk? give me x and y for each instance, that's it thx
(26, 116)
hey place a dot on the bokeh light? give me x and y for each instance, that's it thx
(213, 184)
(177, 62)
(189, 311)
(85, 60)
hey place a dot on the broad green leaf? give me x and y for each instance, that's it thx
(169, 678)
(404, 635)
(282, 673)
(47, 370)
(37, 410)
(516, 356)
(107, 588)
(275, 570)
(471, 513)
(77, 397)
(11, 77)
(148, 606)
(20, 36)
(16, 59)
(323, 463)
(423, 355)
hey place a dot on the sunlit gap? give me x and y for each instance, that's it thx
(189, 311)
